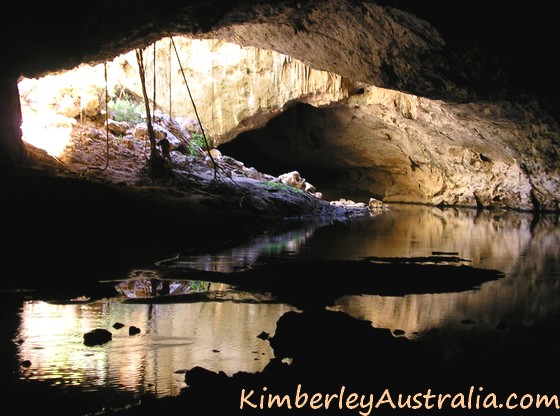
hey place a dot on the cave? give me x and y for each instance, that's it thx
(425, 140)
(446, 118)
(451, 105)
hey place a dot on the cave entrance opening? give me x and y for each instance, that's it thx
(240, 92)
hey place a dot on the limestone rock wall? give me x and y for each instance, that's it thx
(427, 123)
(403, 148)
(354, 39)
(234, 88)
(383, 143)
(483, 153)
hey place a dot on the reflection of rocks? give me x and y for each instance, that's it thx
(145, 287)
(97, 337)
(524, 247)
(489, 239)
(245, 256)
(312, 341)
(180, 337)
(332, 353)
(287, 282)
(372, 362)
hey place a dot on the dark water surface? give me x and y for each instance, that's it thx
(220, 331)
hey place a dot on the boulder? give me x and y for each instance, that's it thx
(132, 330)
(97, 337)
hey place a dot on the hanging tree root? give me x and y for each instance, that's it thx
(157, 166)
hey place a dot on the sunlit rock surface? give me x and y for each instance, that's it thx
(234, 88)
(395, 113)
(401, 147)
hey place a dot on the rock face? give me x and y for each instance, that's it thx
(412, 118)
(404, 148)
(234, 88)
(393, 145)
(361, 41)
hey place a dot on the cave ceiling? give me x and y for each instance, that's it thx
(367, 41)
(464, 130)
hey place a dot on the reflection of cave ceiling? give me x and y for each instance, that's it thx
(469, 141)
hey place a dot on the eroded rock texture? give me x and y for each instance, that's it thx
(424, 121)
(400, 147)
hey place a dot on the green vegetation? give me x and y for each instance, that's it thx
(199, 286)
(276, 186)
(125, 108)
(196, 144)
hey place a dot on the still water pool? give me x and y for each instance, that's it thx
(221, 331)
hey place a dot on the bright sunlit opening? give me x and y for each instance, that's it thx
(51, 105)
(44, 132)
(229, 83)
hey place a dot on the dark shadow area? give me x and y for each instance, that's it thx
(304, 138)
(317, 284)
(331, 353)
(60, 225)
(275, 148)
(512, 40)
(491, 333)
(57, 225)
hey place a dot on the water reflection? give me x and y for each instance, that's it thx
(523, 246)
(174, 337)
(222, 336)
(147, 284)
(526, 249)
(258, 251)
(488, 239)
